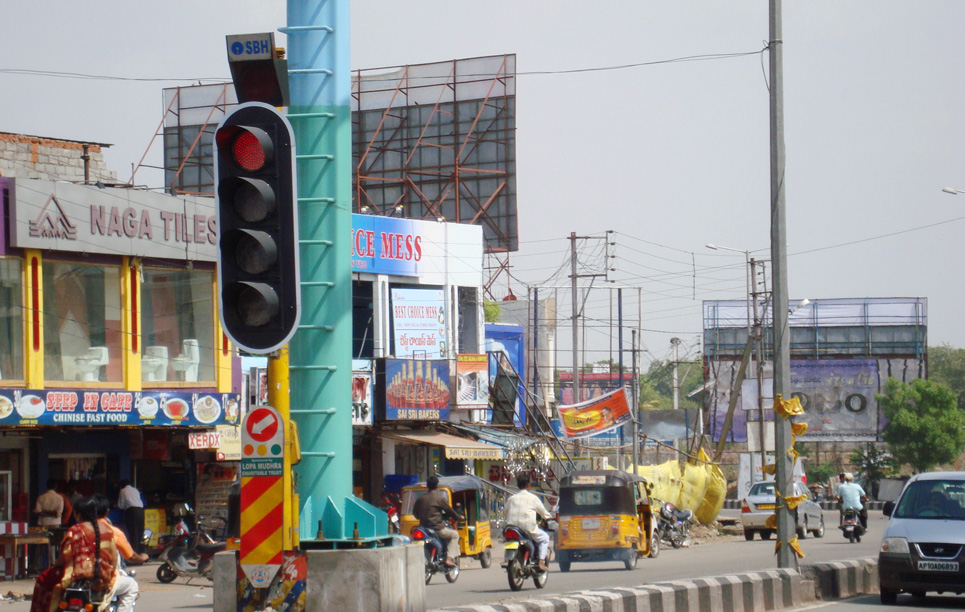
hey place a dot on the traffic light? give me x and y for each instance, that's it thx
(258, 275)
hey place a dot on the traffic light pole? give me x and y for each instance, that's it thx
(278, 398)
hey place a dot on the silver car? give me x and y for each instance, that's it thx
(759, 504)
(924, 544)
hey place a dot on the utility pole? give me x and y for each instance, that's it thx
(759, 345)
(674, 342)
(635, 411)
(576, 314)
(786, 558)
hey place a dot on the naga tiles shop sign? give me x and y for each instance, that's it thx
(416, 389)
(73, 407)
(84, 218)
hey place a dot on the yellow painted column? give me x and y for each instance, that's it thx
(34, 311)
(132, 338)
(279, 399)
(223, 372)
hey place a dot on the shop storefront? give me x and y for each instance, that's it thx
(111, 353)
(417, 306)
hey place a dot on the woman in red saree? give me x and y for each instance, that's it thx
(86, 552)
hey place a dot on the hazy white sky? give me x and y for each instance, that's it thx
(670, 156)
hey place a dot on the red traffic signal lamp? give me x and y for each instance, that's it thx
(258, 270)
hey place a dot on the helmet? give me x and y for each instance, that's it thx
(667, 510)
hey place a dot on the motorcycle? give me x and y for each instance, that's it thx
(851, 526)
(189, 554)
(435, 550)
(521, 559)
(673, 524)
(78, 597)
(391, 502)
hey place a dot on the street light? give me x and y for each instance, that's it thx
(953, 191)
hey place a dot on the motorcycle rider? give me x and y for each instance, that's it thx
(125, 586)
(521, 510)
(850, 494)
(431, 510)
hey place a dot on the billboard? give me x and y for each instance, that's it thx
(419, 323)
(472, 382)
(838, 397)
(416, 389)
(596, 416)
(362, 392)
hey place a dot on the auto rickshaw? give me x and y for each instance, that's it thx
(605, 515)
(468, 495)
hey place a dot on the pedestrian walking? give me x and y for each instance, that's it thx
(130, 502)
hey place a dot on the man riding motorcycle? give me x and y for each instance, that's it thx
(850, 494)
(521, 510)
(431, 510)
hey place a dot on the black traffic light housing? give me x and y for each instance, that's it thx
(258, 270)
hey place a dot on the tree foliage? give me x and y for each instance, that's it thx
(946, 365)
(656, 386)
(492, 310)
(875, 463)
(925, 427)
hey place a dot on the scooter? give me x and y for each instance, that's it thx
(673, 524)
(851, 526)
(435, 551)
(521, 559)
(189, 554)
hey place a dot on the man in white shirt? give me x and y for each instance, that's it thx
(49, 506)
(129, 500)
(521, 510)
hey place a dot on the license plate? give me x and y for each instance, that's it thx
(591, 523)
(512, 545)
(765, 506)
(938, 566)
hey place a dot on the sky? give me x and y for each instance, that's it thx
(669, 155)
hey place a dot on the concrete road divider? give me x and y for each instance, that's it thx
(750, 592)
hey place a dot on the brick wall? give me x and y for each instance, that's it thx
(49, 159)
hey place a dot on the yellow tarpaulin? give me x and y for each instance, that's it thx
(700, 487)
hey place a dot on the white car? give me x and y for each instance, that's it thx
(758, 506)
(924, 544)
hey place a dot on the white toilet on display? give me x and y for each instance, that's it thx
(186, 364)
(89, 364)
(154, 364)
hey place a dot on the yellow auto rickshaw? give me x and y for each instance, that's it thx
(468, 495)
(605, 515)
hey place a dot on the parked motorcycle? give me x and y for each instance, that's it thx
(435, 550)
(521, 559)
(851, 526)
(189, 554)
(673, 524)
(391, 503)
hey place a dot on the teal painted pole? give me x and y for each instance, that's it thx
(320, 352)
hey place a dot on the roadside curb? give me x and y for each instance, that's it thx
(766, 590)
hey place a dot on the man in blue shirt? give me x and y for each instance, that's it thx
(851, 495)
